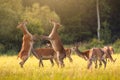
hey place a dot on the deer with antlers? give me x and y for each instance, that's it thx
(56, 42)
(91, 55)
(27, 43)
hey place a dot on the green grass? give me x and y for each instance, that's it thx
(10, 70)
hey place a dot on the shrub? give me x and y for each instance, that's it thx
(2, 48)
(116, 46)
(94, 43)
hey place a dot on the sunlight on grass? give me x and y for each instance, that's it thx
(10, 70)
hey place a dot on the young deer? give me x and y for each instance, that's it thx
(93, 54)
(27, 43)
(48, 54)
(56, 43)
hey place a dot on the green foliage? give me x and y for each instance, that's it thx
(38, 17)
(95, 43)
(10, 14)
(105, 32)
(2, 48)
(78, 18)
(116, 46)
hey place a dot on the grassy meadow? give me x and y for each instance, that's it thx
(10, 70)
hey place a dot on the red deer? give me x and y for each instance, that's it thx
(27, 43)
(108, 50)
(44, 54)
(93, 54)
(56, 43)
(48, 54)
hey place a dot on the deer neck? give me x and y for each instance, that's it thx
(54, 30)
(24, 30)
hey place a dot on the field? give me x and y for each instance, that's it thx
(10, 70)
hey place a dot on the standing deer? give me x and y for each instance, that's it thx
(49, 54)
(27, 43)
(56, 43)
(91, 55)
(44, 54)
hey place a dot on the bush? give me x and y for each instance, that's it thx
(116, 46)
(2, 48)
(95, 43)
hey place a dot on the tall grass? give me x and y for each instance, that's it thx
(10, 70)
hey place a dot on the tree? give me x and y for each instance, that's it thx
(38, 17)
(98, 19)
(9, 14)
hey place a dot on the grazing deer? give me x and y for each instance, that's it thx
(93, 54)
(56, 43)
(27, 43)
(108, 50)
(49, 54)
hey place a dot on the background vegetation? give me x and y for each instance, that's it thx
(78, 18)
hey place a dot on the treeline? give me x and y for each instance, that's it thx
(12, 12)
(78, 17)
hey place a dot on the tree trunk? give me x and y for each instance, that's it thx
(98, 20)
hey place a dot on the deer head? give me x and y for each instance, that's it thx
(55, 23)
(111, 49)
(22, 24)
(76, 46)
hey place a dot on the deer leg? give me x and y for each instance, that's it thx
(89, 64)
(51, 60)
(106, 59)
(41, 63)
(70, 59)
(23, 61)
(61, 63)
(60, 58)
(96, 64)
(100, 63)
(104, 63)
(56, 61)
